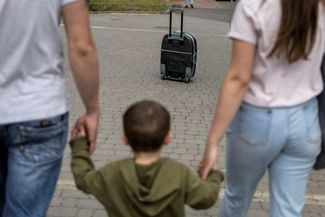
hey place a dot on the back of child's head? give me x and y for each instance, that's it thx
(146, 124)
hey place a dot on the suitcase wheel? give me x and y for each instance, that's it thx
(188, 74)
(163, 71)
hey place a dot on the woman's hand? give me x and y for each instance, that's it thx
(209, 161)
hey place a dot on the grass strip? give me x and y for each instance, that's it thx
(128, 5)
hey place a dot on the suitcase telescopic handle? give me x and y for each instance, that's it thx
(177, 10)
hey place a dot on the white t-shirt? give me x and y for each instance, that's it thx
(274, 82)
(32, 84)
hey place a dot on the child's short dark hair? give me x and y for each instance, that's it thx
(146, 124)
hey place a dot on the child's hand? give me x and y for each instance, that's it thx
(77, 133)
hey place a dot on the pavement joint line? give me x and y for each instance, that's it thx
(310, 199)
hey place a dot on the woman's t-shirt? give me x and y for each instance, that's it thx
(275, 82)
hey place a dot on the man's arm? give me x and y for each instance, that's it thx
(84, 65)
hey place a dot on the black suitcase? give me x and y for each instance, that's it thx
(178, 52)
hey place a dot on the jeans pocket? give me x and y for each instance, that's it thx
(313, 131)
(254, 126)
(43, 141)
(314, 135)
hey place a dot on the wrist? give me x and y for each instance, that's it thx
(93, 110)
(213, 141)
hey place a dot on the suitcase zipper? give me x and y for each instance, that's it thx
(171, 51)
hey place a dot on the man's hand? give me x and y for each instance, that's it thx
(89, 122)
(75, 133)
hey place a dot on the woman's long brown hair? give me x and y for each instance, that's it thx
(298, 29)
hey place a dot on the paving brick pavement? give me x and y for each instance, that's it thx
(128, 48)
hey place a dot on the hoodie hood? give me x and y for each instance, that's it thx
(151, 188)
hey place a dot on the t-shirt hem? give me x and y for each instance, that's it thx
(269, 104)
(31, 116)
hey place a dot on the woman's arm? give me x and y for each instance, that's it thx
(232, 92)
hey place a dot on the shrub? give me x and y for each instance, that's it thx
(128, 5)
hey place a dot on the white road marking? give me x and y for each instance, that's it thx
(127, 29)
(146, 30)
(310, 199)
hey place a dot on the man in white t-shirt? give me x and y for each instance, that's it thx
(33, 97)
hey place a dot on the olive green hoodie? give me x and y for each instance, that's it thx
(129, 190)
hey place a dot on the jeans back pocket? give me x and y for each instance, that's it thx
(254, 125)
(43, 140)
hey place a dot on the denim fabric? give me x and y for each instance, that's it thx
(30, 161)
(189, 2)
(283, 141)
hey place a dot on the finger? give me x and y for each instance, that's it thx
(80, 126)
(82, 131)
(91, 136)
(205, 171)
(92, 147)
(73, 133)
(91, 140)
(79, 123)
(199, 166)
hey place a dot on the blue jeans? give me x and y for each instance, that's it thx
(284, 141)
(30, 161)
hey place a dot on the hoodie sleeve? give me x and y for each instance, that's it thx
(87, 179)
(202, 194)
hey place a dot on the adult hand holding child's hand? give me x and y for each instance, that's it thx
(209, 161)
(77, 133)
(89, 123)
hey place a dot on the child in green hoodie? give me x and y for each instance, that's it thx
(147, 184)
